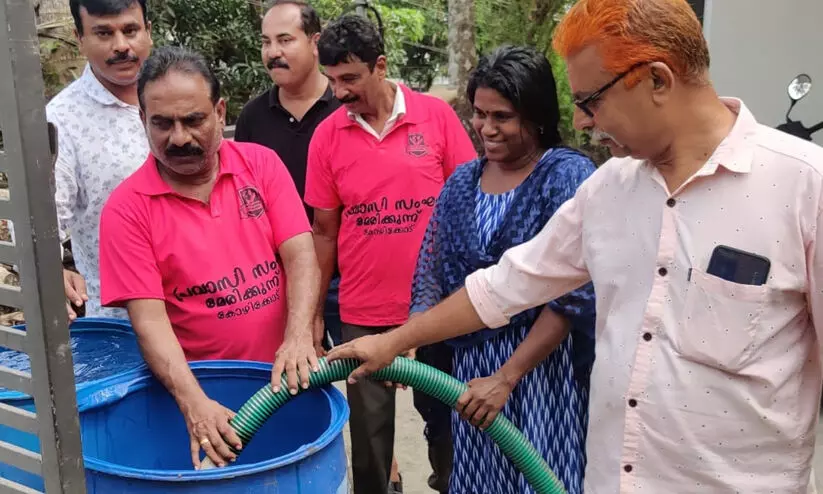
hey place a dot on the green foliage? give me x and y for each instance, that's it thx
(499, 23)
(422, 39)
(227, 33)
(415, 36)
(519, 22)
(401, 25)
(564, 99)
(330, 9)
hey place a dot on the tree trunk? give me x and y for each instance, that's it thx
(62, 62)
(462, 57)
(540, 10)
(48, 11)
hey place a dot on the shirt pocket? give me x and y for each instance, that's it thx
(720, 322)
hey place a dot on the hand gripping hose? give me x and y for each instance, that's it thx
(254, 413)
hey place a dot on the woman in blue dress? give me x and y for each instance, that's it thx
(535, 371)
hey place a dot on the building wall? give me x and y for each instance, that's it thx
(759, 46)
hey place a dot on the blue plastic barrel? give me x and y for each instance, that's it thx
(101, 347)
(135, 439)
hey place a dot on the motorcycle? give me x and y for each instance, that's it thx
(798, 89)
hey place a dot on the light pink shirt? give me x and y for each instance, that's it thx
(700, 385)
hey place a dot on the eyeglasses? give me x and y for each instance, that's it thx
(584, 103)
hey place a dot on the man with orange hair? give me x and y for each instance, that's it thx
(704, 240)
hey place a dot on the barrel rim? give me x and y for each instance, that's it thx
(337, 404)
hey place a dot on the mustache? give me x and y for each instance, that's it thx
(121, 57)
(276, 63)
(349, 99)
(598, 136)
(184, 151)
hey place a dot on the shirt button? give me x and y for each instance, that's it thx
(662, 271)
(291, 119)
(671, 202)
(632, 403)
(647, 336)
(627, 468)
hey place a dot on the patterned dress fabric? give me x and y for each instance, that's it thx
(468, 231)
(101, 141)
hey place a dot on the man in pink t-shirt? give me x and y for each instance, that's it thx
(376, 167)
(198, 245)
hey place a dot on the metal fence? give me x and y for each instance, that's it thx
(26, 156)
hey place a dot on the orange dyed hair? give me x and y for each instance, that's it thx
(628, 32)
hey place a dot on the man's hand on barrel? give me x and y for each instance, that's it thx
(209, 429)
(374, 351)
(297, 357)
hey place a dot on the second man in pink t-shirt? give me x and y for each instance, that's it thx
(375, 169)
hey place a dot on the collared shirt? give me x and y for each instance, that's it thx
(265, 121)
(386, 189)
(101, 141)
(398, 110)
(214, 264)
(699, 384)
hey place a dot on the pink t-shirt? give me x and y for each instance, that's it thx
(386, 189)
(215, 265)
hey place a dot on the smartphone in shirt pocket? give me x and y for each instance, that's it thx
(738, 266)
(722, 309)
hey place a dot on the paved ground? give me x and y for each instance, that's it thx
(410, 447)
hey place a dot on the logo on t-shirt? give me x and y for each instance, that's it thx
(417, 145)
(251, 203)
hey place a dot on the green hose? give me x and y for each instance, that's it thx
(254, 413)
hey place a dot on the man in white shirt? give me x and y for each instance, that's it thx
(101, 140)
(704, 241)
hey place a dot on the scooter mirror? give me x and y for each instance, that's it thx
(800, 87)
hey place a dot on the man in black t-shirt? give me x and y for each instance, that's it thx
(284, 117)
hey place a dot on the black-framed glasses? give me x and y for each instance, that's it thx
(584, 103)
